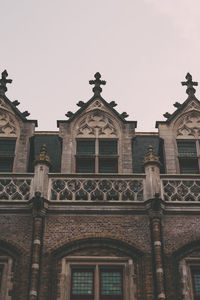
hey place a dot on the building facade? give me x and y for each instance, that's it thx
(97, 210)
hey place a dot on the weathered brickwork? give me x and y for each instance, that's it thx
(131, 229)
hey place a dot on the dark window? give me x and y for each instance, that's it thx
(82, 284)
(93, 156)
(108, 160)
(7, 151)
(108, 165)
(1, 275)
(107, 147)
(187, 154)
(85, 165)
(85, 147)
(196, 282)
(189, 166)
(187, 149)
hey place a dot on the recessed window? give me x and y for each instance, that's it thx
(96, 156)
(196, 282)
(188, 156)
(7, 151)
(109, 284)
(82, 284)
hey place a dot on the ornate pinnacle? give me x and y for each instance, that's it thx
(97, 84)
(4, 81)
(151, 157)
(43, 157)
(189, 83)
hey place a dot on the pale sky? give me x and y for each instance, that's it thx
(142, 48)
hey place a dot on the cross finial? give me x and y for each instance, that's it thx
(4, 81)
(189, 83)
(97, 84)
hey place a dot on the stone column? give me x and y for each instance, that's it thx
(39, 208)
(158, 260)
(152, 170)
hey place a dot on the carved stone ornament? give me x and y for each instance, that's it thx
(189, 125)
(7, 124)
(193, 106)
(96, 123)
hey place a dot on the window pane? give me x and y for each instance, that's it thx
(82, 282)
(111, 283)
(85, 165)
(189, 166)
(85, 147)
(187, 148)
(107, 147)
(108, 165)
(1, 275)
(196, 282)
(7, 147)
(6, 164)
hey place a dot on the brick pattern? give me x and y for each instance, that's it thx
(131, 229)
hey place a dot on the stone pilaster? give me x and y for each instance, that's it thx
(155, 209)
(39, 209)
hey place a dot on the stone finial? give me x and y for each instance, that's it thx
(69, 114)
(189, 83)
(4, 81)
(43, 157)
(113, 104)
(151, 157)
(167, 115)
(124, 115)
(177, 104)
(97, 84)
(80, 103)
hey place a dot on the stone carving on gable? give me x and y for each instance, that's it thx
(96, 123)
(189, 125)
(8, 125)
(193, 106)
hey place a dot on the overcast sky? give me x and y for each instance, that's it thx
(142, 48)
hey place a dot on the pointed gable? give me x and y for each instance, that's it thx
(15, 131)
(181, 131)
(96, 119)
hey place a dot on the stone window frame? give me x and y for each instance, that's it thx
(97, 262)
(7, 278)
(97, 156)
(185, 267)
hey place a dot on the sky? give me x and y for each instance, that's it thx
(142, 48)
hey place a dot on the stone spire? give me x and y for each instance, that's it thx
(190, 85)
(3, 82)
(43, 157)
(97, 84)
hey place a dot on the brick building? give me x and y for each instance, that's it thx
(97, 210)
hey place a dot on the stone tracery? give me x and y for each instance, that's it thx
(189, 125)
(96, 123)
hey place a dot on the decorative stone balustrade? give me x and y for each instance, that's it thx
(180, 188)
(96, 188)
(112, 188)
(15, 186)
